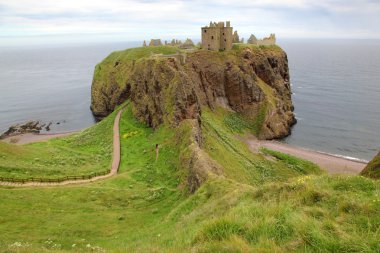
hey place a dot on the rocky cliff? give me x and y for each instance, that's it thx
(249, 80)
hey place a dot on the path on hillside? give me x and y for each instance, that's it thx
(330, 163)
(114, 166)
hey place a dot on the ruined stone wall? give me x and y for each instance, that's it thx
(235, 37)
(226, 38)
(211, 38)
(271, 40)
(217, 36)
(155, 43)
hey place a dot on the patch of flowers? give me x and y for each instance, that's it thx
(49, 244)
(303, 179)
(130, 134)
(19, 245)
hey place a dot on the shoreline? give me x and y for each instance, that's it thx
(331, 163)
(349, 158)
(27, 138)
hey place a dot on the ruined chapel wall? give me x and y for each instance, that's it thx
(266, 42)
(269, 41)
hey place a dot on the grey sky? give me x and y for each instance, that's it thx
(137, 20)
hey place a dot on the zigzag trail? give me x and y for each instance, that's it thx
(114, 166)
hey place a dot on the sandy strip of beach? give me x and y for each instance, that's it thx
(332, 164)
(31, 137)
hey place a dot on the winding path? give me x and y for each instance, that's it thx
(114, 166)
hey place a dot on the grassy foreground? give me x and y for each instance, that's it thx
(258, 205)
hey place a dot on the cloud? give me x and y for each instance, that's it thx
(136, 20)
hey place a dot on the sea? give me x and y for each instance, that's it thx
(335, 85)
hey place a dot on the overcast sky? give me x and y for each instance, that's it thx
(138, 20)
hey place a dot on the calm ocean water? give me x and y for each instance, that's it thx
(50, 84)
(336, 86)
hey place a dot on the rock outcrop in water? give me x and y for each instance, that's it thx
(29, 127)
(250, 80)
(372, 169)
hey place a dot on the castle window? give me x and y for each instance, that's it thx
(225, 40)
(223, 33)
(205, 30)
(212, 37)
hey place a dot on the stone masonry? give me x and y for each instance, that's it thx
(271, 40)
(217, 36)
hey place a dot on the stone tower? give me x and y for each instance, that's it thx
(217, 36)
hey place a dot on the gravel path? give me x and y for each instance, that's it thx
(114, 166)
(332, 164)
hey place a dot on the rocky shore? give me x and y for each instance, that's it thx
(30, 127)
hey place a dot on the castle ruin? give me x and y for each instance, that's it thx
(271, 40)
(217, 36)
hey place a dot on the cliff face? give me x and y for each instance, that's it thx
(250, 80)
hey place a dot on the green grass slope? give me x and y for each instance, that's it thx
(372, 170)
(126, 57)
(79, 154)
(221, 130)
(256, 206)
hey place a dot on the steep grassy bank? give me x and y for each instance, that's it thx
(372, 170)
(221, 132)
